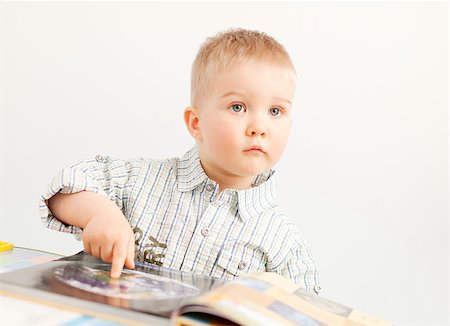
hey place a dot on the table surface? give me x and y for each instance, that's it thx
(20, 257)
(14, 300)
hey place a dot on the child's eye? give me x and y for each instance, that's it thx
(275, 112)
(237, 108)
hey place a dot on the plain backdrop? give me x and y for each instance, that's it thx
(365, 174)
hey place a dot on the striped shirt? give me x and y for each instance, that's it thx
(181, 221)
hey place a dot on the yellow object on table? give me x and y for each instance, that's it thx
(6, 246)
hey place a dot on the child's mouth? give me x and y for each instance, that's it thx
(254, 149)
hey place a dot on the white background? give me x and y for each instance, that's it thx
(365, 174)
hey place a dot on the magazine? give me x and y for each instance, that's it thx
(147, 289)
(267, 299)
(187, 299)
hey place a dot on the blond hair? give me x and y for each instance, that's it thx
(231, 47)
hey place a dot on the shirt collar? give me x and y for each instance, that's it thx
(251, 202)
(254, 201)
(190, 172)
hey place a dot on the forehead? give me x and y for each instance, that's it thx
(254, 77)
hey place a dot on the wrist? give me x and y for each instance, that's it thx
(109, 211)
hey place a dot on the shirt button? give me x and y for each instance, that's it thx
(210, 187)
(101, 159)
(317, 289)
(242, 265)
(205, 232)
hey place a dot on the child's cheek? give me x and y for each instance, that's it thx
(225, 144)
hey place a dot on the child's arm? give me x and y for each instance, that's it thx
(297, 264)
(91, 200)
(301, 267)
(106, 232)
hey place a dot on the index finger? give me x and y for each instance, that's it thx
(119, 255)
(129, 260)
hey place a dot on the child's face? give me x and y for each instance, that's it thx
(244, 120)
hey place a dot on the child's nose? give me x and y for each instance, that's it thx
(256, 128)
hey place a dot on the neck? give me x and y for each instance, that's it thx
(226, 180)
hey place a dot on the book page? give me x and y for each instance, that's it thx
(267, 298)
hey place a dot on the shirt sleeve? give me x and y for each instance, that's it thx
(110, 177)
(299, 265)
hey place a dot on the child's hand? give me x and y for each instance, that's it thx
(109, 237)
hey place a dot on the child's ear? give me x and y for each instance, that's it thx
(192, 121)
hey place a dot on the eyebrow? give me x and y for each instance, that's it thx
(232, 93)
(283, 100)
(243, 94)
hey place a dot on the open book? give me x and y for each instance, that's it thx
(82, 283)
(267, 299)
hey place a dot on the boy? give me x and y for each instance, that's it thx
(213, 210)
